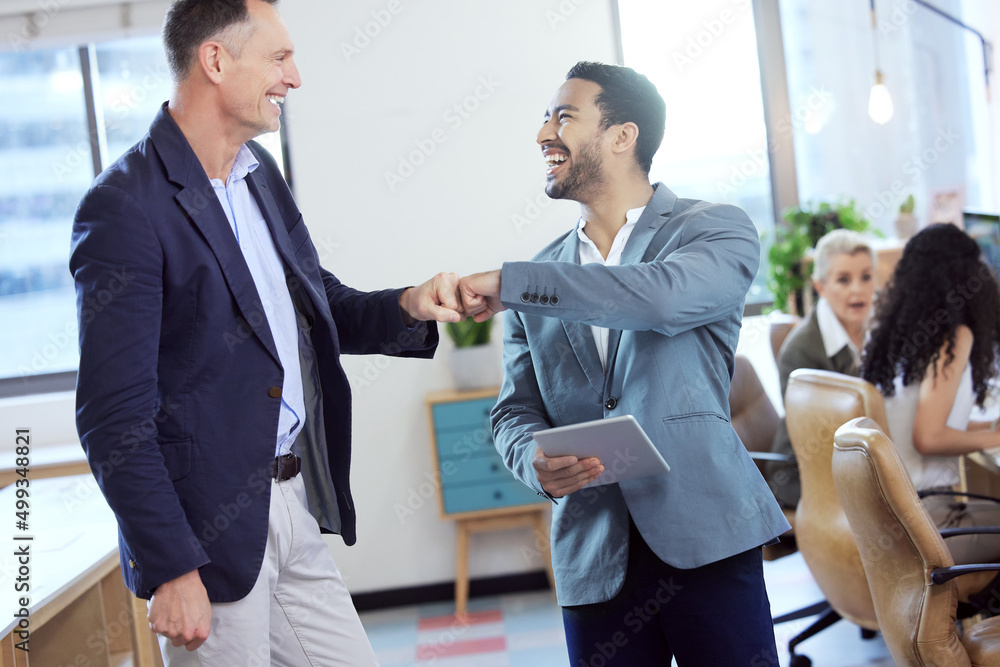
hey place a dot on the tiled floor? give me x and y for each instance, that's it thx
(525, 630)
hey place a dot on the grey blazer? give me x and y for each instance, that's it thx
(674, 308)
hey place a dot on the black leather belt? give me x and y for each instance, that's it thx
(286, 467)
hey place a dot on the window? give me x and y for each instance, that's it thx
(45, 167)
(938, 135)
(47, 162)
(702, 57)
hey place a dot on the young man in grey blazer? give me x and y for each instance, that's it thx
(636, 310)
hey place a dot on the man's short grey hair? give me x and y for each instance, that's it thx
(190, 23)
(838, 242)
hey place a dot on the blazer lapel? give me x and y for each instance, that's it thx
(581, 338)
(197, 198)
(657, 212)
(265, 200)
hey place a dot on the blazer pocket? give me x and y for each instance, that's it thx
(177, 457)
(700, 427)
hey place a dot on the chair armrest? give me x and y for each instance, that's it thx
(970, 530)
(940, 575)
(941, 492)
(773, 456)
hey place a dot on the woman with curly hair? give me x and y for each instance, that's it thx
(932, 353)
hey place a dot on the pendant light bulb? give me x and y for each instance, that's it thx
(880, 102)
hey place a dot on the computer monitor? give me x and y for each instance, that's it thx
(985, 229)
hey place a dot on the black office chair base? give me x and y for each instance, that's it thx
(828, 618)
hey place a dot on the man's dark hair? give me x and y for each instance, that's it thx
(627, 96)
(189, 23)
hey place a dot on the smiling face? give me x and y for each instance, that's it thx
(258, 80)
(849, 287)
(573, 142)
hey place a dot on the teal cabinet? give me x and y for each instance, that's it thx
(473, 477)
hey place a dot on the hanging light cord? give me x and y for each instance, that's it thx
(987, 46)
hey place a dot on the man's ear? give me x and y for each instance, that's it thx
(625, 137)
(210, 58)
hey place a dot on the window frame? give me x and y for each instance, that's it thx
(45, 383)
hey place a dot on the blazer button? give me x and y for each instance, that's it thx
(525, 297)
(131, 563)
(611, 403)
(535, 297)
(274, 392)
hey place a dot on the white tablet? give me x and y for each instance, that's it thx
(619, 442)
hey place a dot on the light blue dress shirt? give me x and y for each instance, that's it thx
(268, 273)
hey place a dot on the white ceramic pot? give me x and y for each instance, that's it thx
(475, 367)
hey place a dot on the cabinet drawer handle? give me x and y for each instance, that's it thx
(497, 495)
(494, 467)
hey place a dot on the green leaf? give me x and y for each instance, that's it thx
(468, 332)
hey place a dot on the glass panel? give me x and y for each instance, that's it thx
(133, 80)
(703, 59)
(45, 167)
(936, 139)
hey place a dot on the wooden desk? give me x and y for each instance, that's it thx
(80, 612)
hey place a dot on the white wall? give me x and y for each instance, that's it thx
(353, 118)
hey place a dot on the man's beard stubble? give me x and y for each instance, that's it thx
(584, 177)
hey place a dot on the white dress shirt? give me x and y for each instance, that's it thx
(835, 336)
(589, 254)
(268, 271)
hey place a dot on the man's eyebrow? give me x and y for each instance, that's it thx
(561, 107)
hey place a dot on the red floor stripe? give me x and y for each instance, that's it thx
(473, 618)
(471, 647)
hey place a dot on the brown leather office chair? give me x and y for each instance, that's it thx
(781, 325)
(907, 562)
(755, 420)
(752, 414)
(817, 403)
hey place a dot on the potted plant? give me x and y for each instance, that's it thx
(906, 222)
(801, 230)
(474, 362)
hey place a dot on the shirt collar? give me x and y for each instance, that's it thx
(245, 163)
(631, 217)
(835, 336)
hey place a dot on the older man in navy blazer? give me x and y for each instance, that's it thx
(637, 310)
(211, 401)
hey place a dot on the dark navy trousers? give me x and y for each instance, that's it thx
(717, 615)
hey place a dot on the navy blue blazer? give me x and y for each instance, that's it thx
(178, 391)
